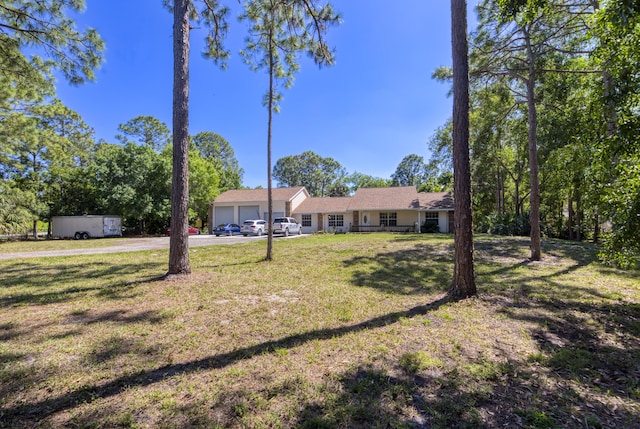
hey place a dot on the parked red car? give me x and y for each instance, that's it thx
(192, 230)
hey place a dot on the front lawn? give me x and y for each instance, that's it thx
(338, 331)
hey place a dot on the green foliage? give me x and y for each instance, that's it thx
(319, 175)
(412, 171)
(146, 130)
(209, 14)
(203, 185)
(44, 27)
(360, 180)
(15, 209)
(43, 144)
(279, 31)
(131, 181)
(217, 150)
(505, 224)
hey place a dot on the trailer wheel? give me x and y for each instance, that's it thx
(85, 235)
(77, 236)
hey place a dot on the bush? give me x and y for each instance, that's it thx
(430, 227)
(505, 224)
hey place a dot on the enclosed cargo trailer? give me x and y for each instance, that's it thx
(88, 226)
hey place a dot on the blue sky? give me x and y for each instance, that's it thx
(376, 105)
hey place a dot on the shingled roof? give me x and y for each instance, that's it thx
(436, 201)
(396, 198)
(254, 195)
(324, 205)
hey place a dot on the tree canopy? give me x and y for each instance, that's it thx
(45, 27)
(319, 175)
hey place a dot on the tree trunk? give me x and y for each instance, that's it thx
(463, 284)
(570, 220)
(579, 215)
(179, 239)
(534, 198)
(269, 256)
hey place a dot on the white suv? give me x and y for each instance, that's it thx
(253, 227)
(286, 226)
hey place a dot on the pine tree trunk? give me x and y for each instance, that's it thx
(179, 239)
(269, 256)
(463, 284)
(570, 219)
(534, 198)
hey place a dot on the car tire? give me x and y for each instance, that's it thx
(85, 235)
(286, 232)
(217, 235)
(77, 236)
(259, 232)
(299, 231)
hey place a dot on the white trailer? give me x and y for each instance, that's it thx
(87, 226)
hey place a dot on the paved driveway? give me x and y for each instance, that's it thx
(136, 244)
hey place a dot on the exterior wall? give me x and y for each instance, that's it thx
(444, 224)
(443, 221)
(297, 200)
(278, 206)
(404, 217)
(348, 222)
(314, 222)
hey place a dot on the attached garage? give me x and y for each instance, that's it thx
(224, 215)
(248, 212)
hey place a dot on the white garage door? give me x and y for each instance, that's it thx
(223, 215)
(248, 212)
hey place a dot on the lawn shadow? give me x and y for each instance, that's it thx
(43, 281)
(38, 410)
(424, 269)
(587, 334)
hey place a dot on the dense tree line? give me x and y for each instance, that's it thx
(54, 167)
(554, 119)
(326, 177)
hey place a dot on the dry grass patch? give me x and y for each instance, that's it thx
(337, 331)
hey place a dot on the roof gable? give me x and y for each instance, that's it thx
(254, 195)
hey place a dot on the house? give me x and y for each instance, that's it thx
(238, 205)
(369, 209)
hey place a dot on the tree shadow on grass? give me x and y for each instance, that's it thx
(38, 410)
(66, 280)
(588, 334)
(423, 269)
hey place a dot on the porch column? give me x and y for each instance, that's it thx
(320, 222)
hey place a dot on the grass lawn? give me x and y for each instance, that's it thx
(344, 331)
(32, 245)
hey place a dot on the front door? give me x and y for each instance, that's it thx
(366, 221)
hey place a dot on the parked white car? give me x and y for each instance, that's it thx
(286, 226)
(253, 227)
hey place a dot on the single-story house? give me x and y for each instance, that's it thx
(369, 209)
(238, 205)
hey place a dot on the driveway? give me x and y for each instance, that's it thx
(137, 244)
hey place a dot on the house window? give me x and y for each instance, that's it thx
(431, 217)
(431, 222)
(389, 219)
(336, 221)
(306, 220)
